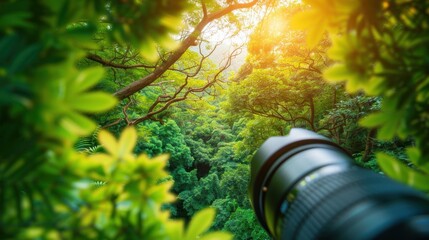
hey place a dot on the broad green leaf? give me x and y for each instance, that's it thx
(399, 171)
(171, 22)
(25, 58)
(78, 124)
(127, 141)
(175, 229)
(15, 19)
(87, 79)
(82, 36)
(336, 73)
(415, 156)
(156, 164)
(169, 44)
(93, 102)
(200, 223)
(108, 141)
(388, 130)
(394, 119)
(374, 86)
(148, 51)
(354, 83)
(101, 159)
(346, 7)
(132, 188)
(373, 120)
(315, 34)
(161, 193)
(339, 48)
(307, 21)
(8, 46)
(217, 236)
(32, 233)
(301, 20)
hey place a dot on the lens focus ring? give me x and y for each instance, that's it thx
(323, 199)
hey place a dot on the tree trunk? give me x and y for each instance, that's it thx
(369, 144)
(312, 114)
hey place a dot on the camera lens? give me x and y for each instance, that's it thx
(304, 186)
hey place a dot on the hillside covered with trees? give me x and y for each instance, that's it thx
(123, 120)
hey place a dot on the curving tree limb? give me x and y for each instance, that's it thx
(185, 44)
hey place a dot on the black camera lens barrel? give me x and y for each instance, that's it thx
(275, 153)
(372, 204)
(304, 186)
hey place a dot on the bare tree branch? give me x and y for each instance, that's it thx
(203, 4)
(186, 43)
(164, 101)
(168, 101)
(112, 64)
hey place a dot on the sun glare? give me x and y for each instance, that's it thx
(276, 25)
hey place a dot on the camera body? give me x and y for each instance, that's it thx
(304, 186)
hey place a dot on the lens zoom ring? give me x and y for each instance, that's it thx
(320, 201)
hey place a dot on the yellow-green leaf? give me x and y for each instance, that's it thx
(88, 78)
(342, 46)
(217, 236)
(389, 129)
(78, 124)
(373, 86)
(169, 43)
(314, 35)
(175, 229)
(171, 22)
(303, 20)
(336, 73)
(200, 223)
(101, 159)
(312, 22)
(415, 156)
(127, 141)
(399, 171)
(373, 120)
(149, 51)
(108, 141)
(161, 193)
(93, 102)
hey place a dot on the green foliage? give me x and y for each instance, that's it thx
(48, 190)
(54, 187)
(166, 138)
(203, 194)
(144, 24)
(274, 93)
(402, 172)
(285, 82)
(235, 187)
(40, 121)
(124, 200)
(245, 226)
(381, 49)
(345, 117)
(183, 84)
(225, 207)
(197, 226)
(369, 164)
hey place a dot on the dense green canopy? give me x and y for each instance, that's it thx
(124, 119)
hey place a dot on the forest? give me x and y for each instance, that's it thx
(138, 119)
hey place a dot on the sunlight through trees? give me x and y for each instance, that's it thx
(138, 119)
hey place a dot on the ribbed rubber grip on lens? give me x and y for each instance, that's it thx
(322, 200)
